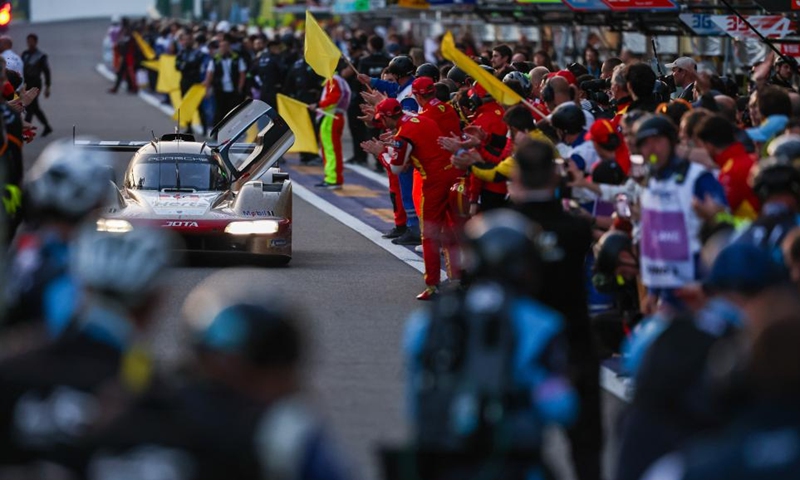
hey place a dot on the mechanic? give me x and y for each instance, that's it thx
(225, 79)
(36, 65)
(512, 360)
(670, 228)
(568, 120)
(415, 146)
(238, 412)
(401, 71)
(533, 191)
(559, 89)
(718, 136)
(442, 113)
(267, 74)
(125, 47)
(64, 188)
(333, 107)
(190, 62)
(120, 276)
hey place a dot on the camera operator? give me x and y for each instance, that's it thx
(620, 95)
(641, 84)
(593, 95)
(684, 71)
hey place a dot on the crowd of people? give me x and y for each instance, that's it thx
(613, 212)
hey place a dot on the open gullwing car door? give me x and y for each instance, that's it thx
(255, 123)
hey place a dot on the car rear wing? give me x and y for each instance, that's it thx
(134, 146)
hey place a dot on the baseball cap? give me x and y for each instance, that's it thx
(388, 107)
(567, 75)
(686, 63)
(744, 268)
(600, 131)
(423, 86)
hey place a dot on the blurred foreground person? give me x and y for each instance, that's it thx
(64, 188)
(50, 397)
(534, 190)
(239, 413)
(487, 365)
(763, 442)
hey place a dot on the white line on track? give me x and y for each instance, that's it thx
(609, 380)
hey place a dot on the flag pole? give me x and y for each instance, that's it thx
(535, 110)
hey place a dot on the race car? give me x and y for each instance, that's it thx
(225, 196)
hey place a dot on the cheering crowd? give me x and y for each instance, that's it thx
(592, 211)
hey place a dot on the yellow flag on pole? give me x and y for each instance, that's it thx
(169, 78)
(151, 64)
(296, 115)
(497, 89)
(320, 51)
(147, 50)
(190, 103)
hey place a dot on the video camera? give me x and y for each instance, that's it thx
(596, 91)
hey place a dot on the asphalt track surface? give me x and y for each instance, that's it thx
(356, 296)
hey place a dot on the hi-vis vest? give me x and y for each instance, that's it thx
(670, 229)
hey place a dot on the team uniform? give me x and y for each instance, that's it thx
(416, 145)
(334, 102)
(225, 72)
(735, 165)
(489, 118)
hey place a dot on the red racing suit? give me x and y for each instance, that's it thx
(735, 165)
(416, 142)
(489, 118)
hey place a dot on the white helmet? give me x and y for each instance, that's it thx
(125, 267)
(67, 181)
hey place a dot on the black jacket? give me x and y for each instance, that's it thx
(35, 65)
(568, 239)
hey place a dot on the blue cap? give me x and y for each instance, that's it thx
(746, 269)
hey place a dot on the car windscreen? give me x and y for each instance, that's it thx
(176, 171)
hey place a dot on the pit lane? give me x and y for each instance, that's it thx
(356, 295)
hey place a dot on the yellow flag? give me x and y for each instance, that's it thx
(169, 78)
(145, 47)
(497, 89)
(320, 51)
(296, 115)
(190, 103)
(151, 64)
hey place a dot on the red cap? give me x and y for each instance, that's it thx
(389, 107)
(601, 131)
(423, 86)
(8, 90)
(478, 90)
(567, 75)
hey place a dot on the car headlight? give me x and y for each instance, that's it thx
(113, 225)
(256, 227)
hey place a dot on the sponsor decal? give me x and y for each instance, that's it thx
(180, 224)
(278, 242)
(258, 213)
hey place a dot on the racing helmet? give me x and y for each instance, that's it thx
(428, 70)
(521, 78)
(68, 182)
(503, 245)
(774, 176)
(569, 118)
(125, 267)
(656, 126)
(401, 66)
(458, 76)
(260, 328)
